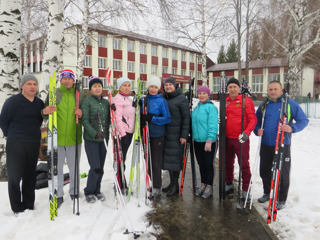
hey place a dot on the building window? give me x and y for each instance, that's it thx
(164, 53)
(87, 61)
(257, 83)
(40, 66)
(143, 68)
(183, 56)
(102, 41)
(143, 48)
(130, 46)
(154, 51)
(88, 41)
(104, 82)
(116, 44)
(198, 59)
(35, 67)
(85, 82)
(102, 63)
(114, 84)
(174, 55)
(183, 72)
(130, 66)
(164, 69)
(216, 84)
(154, 69)
(174, 71)
(273, 77)
(41, 47)
(199, 75)
(191, 58)
(191, 74)
(117, 65)
(34, 49)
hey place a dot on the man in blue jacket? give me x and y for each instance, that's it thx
(269, 136)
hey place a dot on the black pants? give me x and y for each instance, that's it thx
(22, 158)
(96, 154)
(205, 161)
(266, 161)
(156, 146)
(125, 144)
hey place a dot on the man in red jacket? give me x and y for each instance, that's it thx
(234, 136)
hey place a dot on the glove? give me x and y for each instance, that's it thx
(101, 135)
(140, 102)
(134, 103)
(207, 147)
(146, 117)
(113, 107)
(243, 137)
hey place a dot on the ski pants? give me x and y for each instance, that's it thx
(233, 149)
(125, 144)
(22, 158)
(266, 163)
(67, 153)
(96, 154)
(156, 146)
(205, 161)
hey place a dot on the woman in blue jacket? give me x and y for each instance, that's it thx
(204, 133)
(157, 116)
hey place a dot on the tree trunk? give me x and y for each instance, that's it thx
(203, 46)
(10, 16)
(52, 56)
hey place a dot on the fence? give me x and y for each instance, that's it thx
(311, 107)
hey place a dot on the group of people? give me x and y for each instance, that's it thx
(168, 116)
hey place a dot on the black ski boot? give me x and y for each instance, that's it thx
(167, 188)
(175, 184)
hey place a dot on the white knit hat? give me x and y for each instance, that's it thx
(154, 80)
(121, 81)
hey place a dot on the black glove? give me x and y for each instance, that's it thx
(101, 135)
(140, 102)
(146, 117)
(243, 137)
(134, 103)
(113, 107)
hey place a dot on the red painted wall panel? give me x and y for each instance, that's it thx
(89, 50)
(174, 63)
(131, 75)
(154, 60)
(131, 56)
(165, 62)
(117, 54)
(117, 74)
(87, 71)
(143, 58)
(183, 65)
(191, 66)
(103, 52)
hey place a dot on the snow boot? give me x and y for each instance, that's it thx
(229, 188)
(264, 198)
(208, 192)
(200, 190)
(90, 198)
(59, 201)
(167, 188)
(281, 205)
(100, 197)
(244, 195)
(156, 192)
(175, 184)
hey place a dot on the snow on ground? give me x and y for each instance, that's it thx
(100, 220)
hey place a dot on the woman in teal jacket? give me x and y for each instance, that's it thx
(96, 122)
(204, 133)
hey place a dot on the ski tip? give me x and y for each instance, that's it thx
(135, 235)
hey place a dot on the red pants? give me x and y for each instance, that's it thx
(232, 149)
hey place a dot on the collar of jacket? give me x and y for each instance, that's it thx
(280, 98)
(158, 95)
(99, 98)
(64, 89)
(237, 98)
(207, 101)
(177, 92)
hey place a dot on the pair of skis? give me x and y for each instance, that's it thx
(52, 151)
(278, 160)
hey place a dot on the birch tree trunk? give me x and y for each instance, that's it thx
(203, 45)
(238, 24)
(10, 20)
(52, 56)
(83, 41)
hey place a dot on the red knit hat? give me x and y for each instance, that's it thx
(67, 73)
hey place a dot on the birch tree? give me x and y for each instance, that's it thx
(53, 47)
(10, 20)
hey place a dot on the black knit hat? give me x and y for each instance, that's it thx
(93, 80)
(170, 80)
(233, 80)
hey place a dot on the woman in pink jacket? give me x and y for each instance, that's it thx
(125, 113)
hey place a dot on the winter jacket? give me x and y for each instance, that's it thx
(66, 103)
(95, 113)
(176, 129)
(21, 119)
(158, 107)
(233, 116)
(205, 122)
(125, 114)
(271, 121)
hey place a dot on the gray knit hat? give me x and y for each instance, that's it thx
(154, 80)
(170, 80)
(28, 77)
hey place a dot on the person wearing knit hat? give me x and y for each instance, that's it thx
(93, 80)
(204, 133)
(125, 113)
(28, 77)
(67, 73)
(237, 135)
(233, 80)
(157, 116)
(66, 118)
(177, 132)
